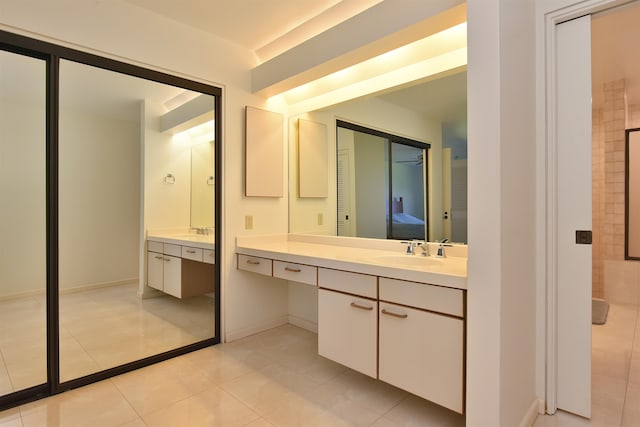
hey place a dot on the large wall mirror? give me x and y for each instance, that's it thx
(433, 199)
(86, 148)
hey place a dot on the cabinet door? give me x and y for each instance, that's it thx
(155, 263)
(347, 330)
(173, 275)
(422, 352)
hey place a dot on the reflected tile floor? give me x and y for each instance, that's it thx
(99, 329)
(615, 374)
(272, 379)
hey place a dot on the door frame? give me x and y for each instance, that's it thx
(549, 14)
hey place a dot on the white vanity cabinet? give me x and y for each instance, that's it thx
(408, 331)
(421, 340)
(348, 322)
(163, 268)
(180, 271)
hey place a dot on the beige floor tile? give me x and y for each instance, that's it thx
(135, 423)
(352, 392)
(212, 407)
(10, 418)
(413, 411)
(228, 362)
(631, 415)
(561, 419)
(270, 388)
(261, 422)
(95, 405)
(154, 387)
(293, 410)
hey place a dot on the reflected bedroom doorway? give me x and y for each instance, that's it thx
(381, 184)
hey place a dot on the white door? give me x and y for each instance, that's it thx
(573, 213)
(346, 211)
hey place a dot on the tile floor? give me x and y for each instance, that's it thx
(615, 374)
(99, 328)
(274, 378)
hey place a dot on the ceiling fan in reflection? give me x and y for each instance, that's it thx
(417, 161)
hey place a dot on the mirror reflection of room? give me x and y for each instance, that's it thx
(119, 143)
(23, 351)
(370, 160)
(432, 112)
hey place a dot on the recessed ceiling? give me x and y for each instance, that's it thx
(257, 24)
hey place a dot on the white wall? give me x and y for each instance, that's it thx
(22, 184)
(99, 213)
(165, 205)
(501, 271)
(120, 30)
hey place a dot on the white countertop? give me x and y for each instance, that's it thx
(204, 241)
(368, 256)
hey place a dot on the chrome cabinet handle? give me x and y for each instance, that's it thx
(293, 270)
(190, 251)
(252, 261)
(159, 257)
(361, 307)
(167, 259)
(390, 313)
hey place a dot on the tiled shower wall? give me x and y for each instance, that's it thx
(616, 280)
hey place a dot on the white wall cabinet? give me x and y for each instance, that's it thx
(347, 330)
(422, 352)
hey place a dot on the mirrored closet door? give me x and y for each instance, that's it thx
(23, 323)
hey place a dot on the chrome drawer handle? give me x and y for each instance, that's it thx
(167, 259)
(361, 307)
(191, 251)
(293, 270)
(252, 261)
(158, 257)
(390, 313)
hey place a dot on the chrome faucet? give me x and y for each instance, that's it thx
(440, 251)
(411, 246)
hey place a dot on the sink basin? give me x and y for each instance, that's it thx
(408, 260)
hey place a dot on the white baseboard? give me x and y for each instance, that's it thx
(82, 288)
(536, 407)
(231, 336)
(303, 323)
(71, 290)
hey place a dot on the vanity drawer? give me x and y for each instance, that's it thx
(255, 264)
(209, 256)
(352, 283)
(174, 250)
(420, 295)
(194, 254)
(155, 246)
(296, 272)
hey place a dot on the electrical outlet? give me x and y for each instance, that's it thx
(248, 222)
(320, 219)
